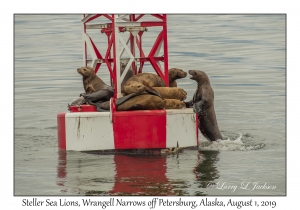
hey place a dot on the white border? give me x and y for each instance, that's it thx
(117, 6)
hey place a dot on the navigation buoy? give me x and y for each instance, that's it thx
(85, 129)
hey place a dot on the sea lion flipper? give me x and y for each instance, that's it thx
(121, 100)
(98, 106)
(153, 91)
(189, 104)
(100, 95)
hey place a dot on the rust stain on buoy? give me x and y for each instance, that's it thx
(78, 127)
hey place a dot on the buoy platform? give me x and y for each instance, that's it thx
(142, 129)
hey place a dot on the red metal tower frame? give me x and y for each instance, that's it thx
(112, 56)
(135, 129)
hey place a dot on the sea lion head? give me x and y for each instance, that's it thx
(199, 76)
(175, 73)
(134, 87)
(86, 71)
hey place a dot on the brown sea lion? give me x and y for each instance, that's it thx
(173, 104)
(95, 98)
(95, 89)
(203, 105)
(171, 93)
(174, 74)
(142, 102)
(91, 82)
(144, 79)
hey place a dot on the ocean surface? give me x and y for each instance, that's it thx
(245, 59)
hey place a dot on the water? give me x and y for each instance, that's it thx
(244, 57)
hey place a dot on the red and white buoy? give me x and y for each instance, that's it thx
(85, 129)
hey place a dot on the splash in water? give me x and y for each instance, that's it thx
(239, 143)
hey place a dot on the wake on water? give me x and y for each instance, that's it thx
(238, 144)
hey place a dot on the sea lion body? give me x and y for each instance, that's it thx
(91, 82)
(203, 105)
(174, 74)
(142, 102)
(171, 93)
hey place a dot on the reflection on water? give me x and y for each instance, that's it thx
(136, 175)
(132, 175)
(206, 171)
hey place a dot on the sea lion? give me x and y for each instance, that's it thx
(95, 98)
(104, 94)
(142, 79)
(142, 102)
(95, 89)
(171, 92)
(91, 82)
(173, 104)
(174, 74)
(203, 105)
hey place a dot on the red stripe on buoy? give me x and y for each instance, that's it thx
(141, 175)
(140, 129)
(61, 130)
(83, 108)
